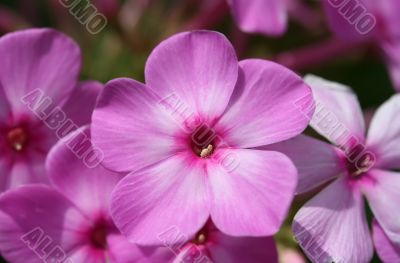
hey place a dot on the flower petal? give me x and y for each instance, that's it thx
(316, 161)
(388, 251)
(80, 106)
(88, 187)
(385, 142)
(332, 226)
(30, 215)
(338, 114)
(268, 17)
(270, 104)
(242, 249)
(121, 251)
(383, 193)
(147, 204)
(343, 17)
(42, 59)
(252, 196)
(199, 67)
(131, 128)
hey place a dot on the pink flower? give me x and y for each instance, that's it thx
(189, 139)
(261, 16)
(210, 245)
(333, 225)
(68, 222)
(372, 22)
(388, 251)
(38, 74)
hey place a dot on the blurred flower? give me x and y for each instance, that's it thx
(189, 139)
(45, 62)
(70, 221)
(388, 251)
(287, 255)
(371, 22)
(214, 246)
(332, 226)
(268, 17)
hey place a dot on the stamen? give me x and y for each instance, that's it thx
(206, 152)
(200, 238)
(17, 139)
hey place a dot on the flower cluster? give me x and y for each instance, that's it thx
(202, 161)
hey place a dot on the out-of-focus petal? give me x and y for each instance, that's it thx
(88, 187)
(42, 59)
(80, 106)
(316, 161)
(32, 214)
(267, 17)
(388, 251)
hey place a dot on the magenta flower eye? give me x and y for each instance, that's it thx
(98, 234)
(18, 138)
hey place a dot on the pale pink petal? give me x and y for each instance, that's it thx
(316, 161)
(338, 115)
(88, 187)
(42, 59)
(171, 194)
(32, 214)
(131, 128)
(80, 106)
(268, 17)
(383, 195)
(270, 104)
(332, 226)
(251, 191)
(225, 248)
(388, 251)
(199, 67)
(384, 134)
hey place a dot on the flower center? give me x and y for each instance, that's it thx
(361, 166)
(98, 235)
(18, 139)
(201, 237)
(203, 141)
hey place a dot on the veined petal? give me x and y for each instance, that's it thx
(382, 193)
(270, 104)
(332, 226)
(252, 196)
(384, 134)
(338, 115)
(172, 195)
(131, 128)
(199, 68)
